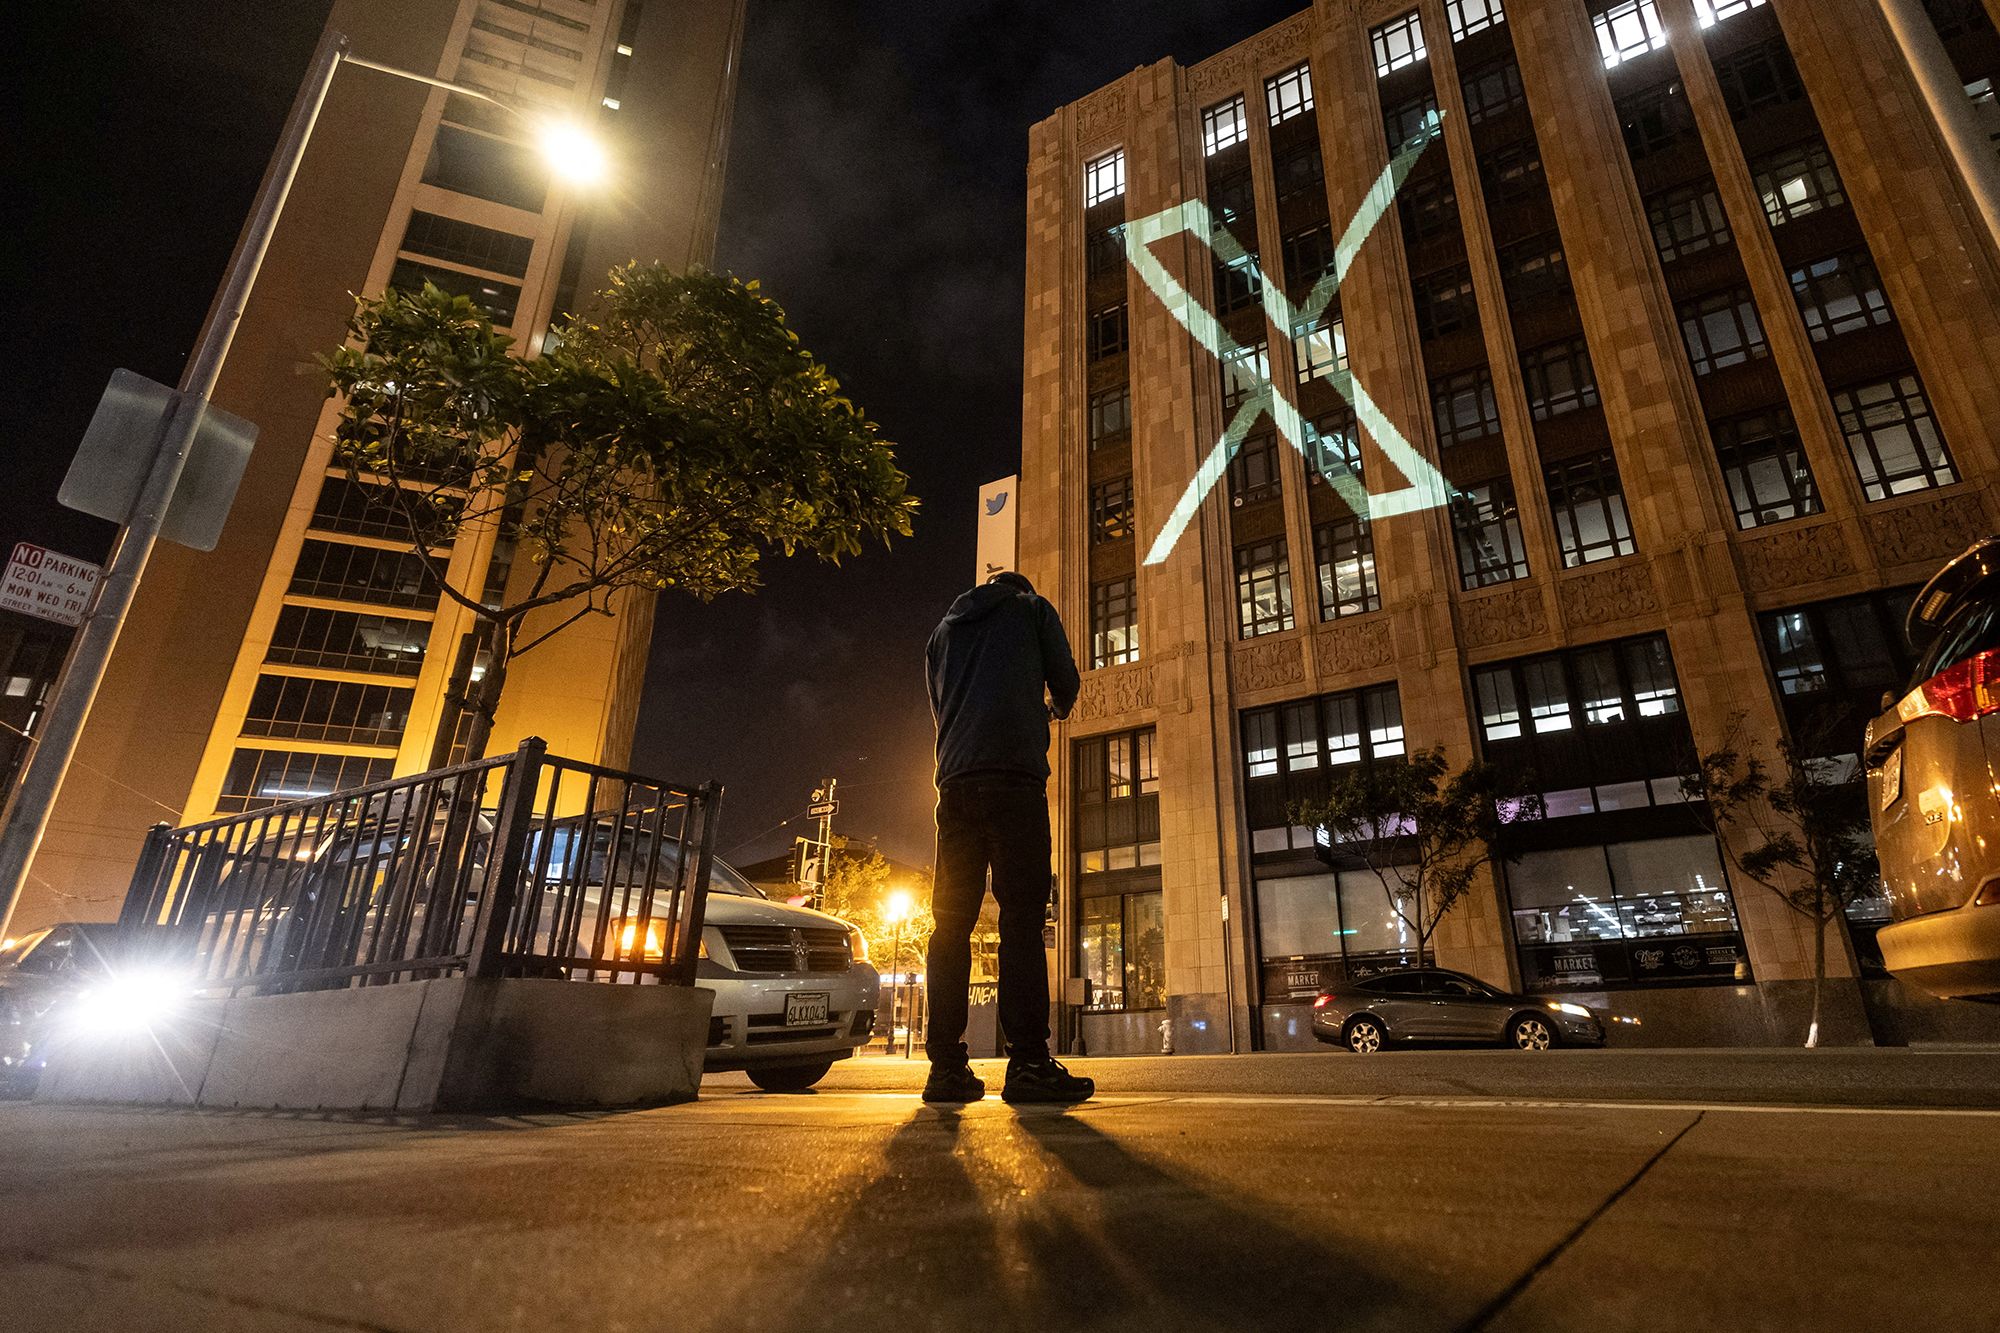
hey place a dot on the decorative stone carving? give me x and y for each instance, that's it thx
(1929, 532)
(1340, 650)
(1284, 44)
(1213, 78)
(1503, 617)
(1609, 595)
(1100, 115)
(1794, 557)
(1264, 664)
(1114, 692)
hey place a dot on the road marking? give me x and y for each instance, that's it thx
(741, 1100)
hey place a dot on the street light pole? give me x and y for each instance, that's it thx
(896, 989)
(1944, 94)
(27, 818)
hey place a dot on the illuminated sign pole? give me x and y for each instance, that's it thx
(1427, 488)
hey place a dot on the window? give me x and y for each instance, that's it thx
(1289, 94)
(1117, 808)
(1104, 251)
(1466, 17)
(1589, 509)
(1344, 553)
(1721, 329)
(1406, 121)
(1493, 89)
(1463, 407)
(1104, 178)
(1291, 750)
(460, 242)
(1429, 206)
(1758, 77)
(368, 509)
(1320, 347)
(1114, 623)
(1628, 29)
(1110, 416)
(1893, 438)
(1797, 180)
(1110, 510)
(1764, 467)
(1398, 43)
(1238, 282)
(1656, 912)
(300, 708)
(1107, 332)
(1318, 928)
(348, 641)
(1298, 170)
(1308, 256)
(1253, 471)
(1840, 294)
(1486, 527)
(1122, 948)
(1711, 12)
(1534, 270)
(1654, 119)
(1512, 173)
(1686, 220)
(1232, 199)
(1559, 378)
(1832, 661)
(1224, 126)
(362, 574)
(1333, 445)
(466, 162)
(1263, 588)
(1245, 371)
(257, 778)
(1444, 302)
(498, 299)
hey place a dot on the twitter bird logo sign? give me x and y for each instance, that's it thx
(998, 531)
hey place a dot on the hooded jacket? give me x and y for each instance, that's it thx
(989, 659)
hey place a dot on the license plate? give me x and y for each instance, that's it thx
(1892, 778)
(806, 1010)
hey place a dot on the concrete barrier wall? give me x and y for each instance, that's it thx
(448, 1044)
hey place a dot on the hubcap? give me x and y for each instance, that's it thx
(1365, 1039)
(1531, 1034)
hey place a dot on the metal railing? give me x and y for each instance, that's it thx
(524, 865)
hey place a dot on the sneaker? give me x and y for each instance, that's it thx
(1045, 1080)
(953, 1083)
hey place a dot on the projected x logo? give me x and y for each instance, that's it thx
(1426, 487)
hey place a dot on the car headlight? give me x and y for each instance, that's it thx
(857, 944)
(128, 1003)
(1573, 1010)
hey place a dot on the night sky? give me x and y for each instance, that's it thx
(876, 185)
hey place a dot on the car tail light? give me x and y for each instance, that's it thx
(1322, 1001)
(1961, 692)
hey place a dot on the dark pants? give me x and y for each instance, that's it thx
(1002, 826)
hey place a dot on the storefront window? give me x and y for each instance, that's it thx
(1122, 950)
(1320, 928)
(1291, 751)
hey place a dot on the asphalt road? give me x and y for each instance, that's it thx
(1434, 1191)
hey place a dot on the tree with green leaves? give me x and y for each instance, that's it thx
(1423, 830)
(671, 440)
(1797, 828)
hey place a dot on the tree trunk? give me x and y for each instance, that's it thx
(484, 700)
(1820, 924)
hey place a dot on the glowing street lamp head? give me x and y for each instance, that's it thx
(898, 906)
(572, 152)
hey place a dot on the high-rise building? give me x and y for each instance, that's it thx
(307, 651)
(1671, 365)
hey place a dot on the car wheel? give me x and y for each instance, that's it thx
(789, 1078)
(1365, 1036)
(1530, 1033)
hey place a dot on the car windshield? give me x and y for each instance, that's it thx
(724, 878)
(1972, 629)
(16, 950)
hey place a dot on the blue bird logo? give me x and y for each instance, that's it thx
(996, 503)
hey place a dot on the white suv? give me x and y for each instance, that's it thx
(793, 988)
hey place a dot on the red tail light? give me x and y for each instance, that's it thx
(1962, 692)
(1322, 1001)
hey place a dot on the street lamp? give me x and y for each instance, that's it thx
(572, 155)
(897, 909)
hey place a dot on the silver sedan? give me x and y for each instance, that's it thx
(1430, 1004)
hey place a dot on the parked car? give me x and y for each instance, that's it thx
(41, 973)
(1430, 1004)
(1933, 789)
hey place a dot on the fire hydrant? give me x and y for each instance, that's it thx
(1166, 1036)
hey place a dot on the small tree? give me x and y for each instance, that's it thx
(858, 889)
(1798, 829)
(671, 442)
(1421, 829)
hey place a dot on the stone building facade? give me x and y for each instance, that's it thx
(1691, 333)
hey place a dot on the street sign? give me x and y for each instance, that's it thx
(821, 809)
(117, 451)
(45, 583)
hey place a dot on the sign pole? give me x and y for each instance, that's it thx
(28, 816)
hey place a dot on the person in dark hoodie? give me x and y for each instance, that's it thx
(990, 659)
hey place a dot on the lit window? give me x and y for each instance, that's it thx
(1110, 510)
(1466, 17)
(1764, 467)
(1243, 372)
(1588, 505)
(1628, 29)
(1893, 438)
(1114, 623)
(1224, 126)
(1797, 180)
(1712, 12)
(1321, 348)
(625, 48)
(1289, 94)
(1344, 551)
(1263, 588)
(1398, 43)
(610, 104)
(1721, 330)
(1840, 294)
(1486, 525)
(1104, 178)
